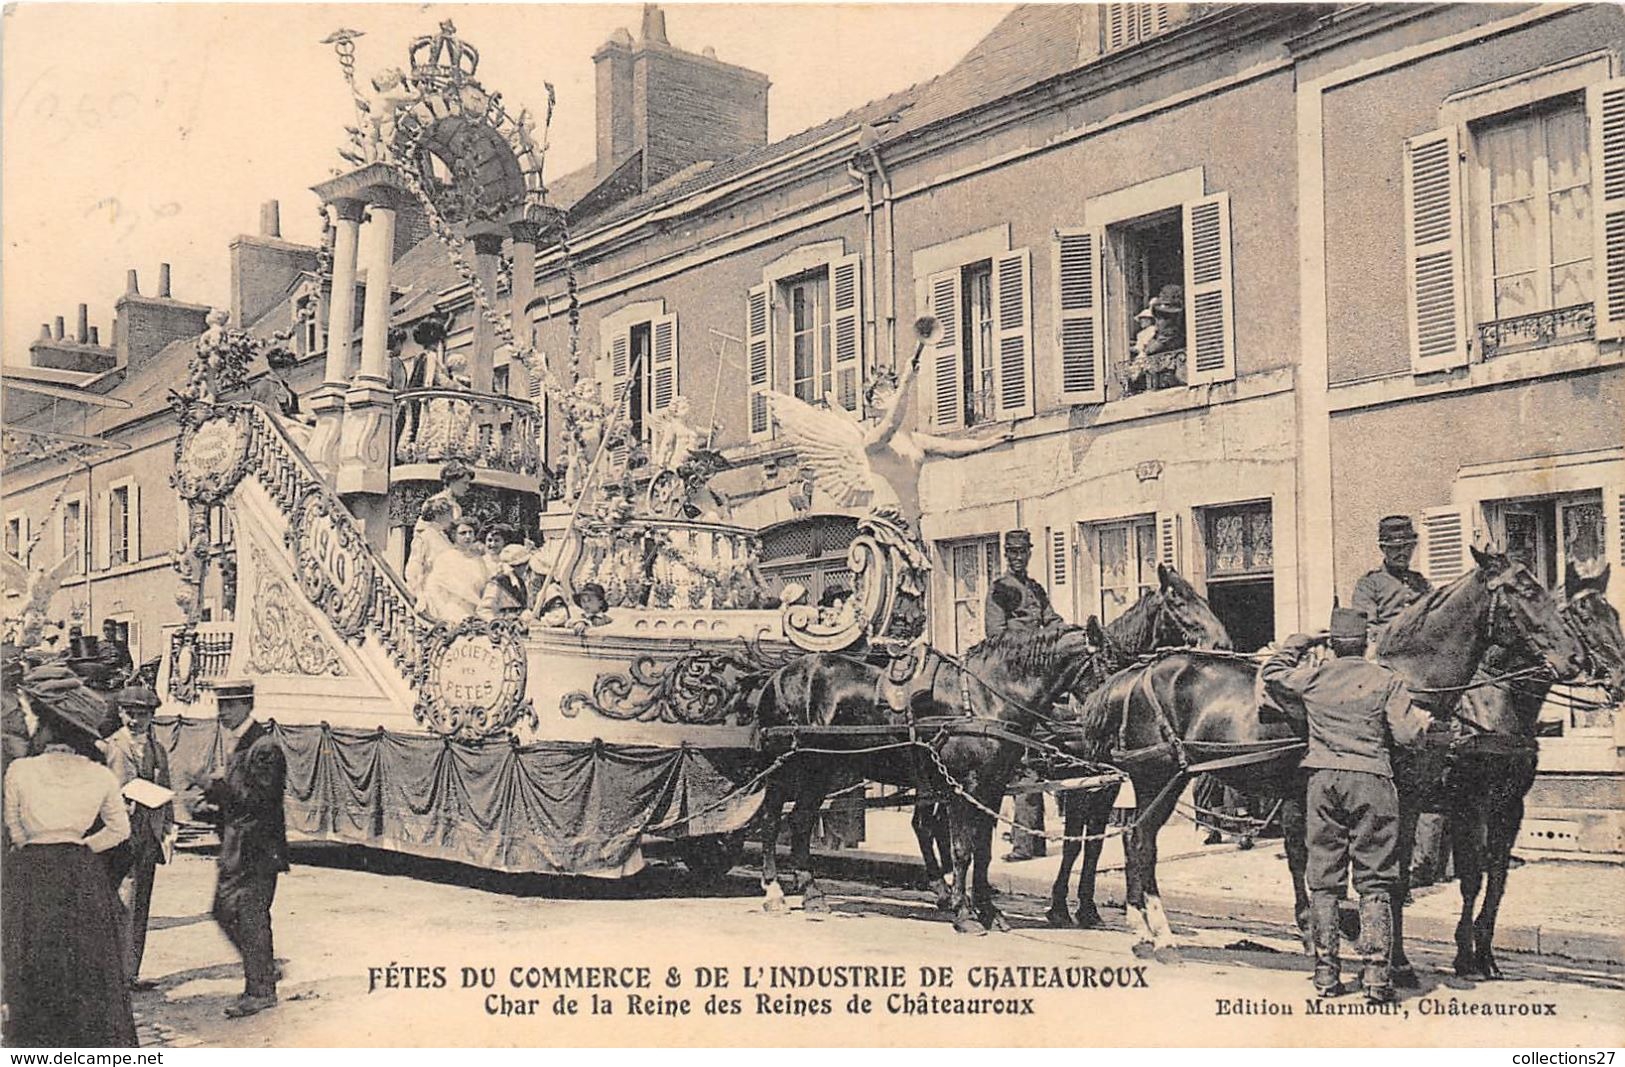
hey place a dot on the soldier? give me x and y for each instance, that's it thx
(253, 843)
(1383, 594)
(1015, 600)
(1356, 709)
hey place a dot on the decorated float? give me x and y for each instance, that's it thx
(554, 741)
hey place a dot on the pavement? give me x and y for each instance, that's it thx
(1563, 907)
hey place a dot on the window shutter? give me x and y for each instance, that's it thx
(1059, 559)
(944, 379)
(1168, 540)
(104, 530)
(1606, 103)
(1210, 328)
(1444, 541)
(1433, 252)
(759, 361)
(133, 523)
(1077, 316)
(663, 375)
(846, 320)
(1013, 321)
(1116, 25)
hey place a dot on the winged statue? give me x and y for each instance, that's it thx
(36, 585)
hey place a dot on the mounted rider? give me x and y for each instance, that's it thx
(1383, 593)
(1356, 710)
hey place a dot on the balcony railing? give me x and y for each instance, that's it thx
(1146, 374)
(1506, 336)
(481, 429)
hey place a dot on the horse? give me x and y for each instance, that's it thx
(1143, 628)
(1493, 766)
(1196, 711)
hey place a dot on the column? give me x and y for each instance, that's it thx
(487, 256)
(526, 235)
(327, 401)
(378, 258)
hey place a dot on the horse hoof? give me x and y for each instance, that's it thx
(944, 898)
(1167, 954)
(1056, 916)
(1088, 918)
(817, 904)
(1492, 971)
(1144, 950)
(1405, 978)
(967, 925)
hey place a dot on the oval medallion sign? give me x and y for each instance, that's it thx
(473, 680)
(335, 564)
(210, 458)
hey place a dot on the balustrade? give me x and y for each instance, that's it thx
(1525, 332)
(665, 565)
(483, 430)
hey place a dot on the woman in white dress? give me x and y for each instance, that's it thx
(429, 539)
(456, 577)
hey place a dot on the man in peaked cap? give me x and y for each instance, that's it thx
(253, 843)
(133, 752)
(1015, 600)
(1357, 710)
(1385, 592)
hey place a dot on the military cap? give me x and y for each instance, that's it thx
(1018, 539)
(137, 696)
(1347, 623)
(1396, 530)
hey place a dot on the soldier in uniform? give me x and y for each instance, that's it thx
(1014, 600)
(253, 843)
(1383, 594)
(1356, 710)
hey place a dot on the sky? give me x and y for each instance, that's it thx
(140, 134)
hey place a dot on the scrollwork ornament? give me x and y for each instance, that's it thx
(471, 681)
(696, 689)
(335, 564)
(211, 455)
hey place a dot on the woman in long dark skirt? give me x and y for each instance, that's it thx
(64, 975)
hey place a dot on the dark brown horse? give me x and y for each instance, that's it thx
(1492, 765)
(1190, 709)
(1170, 616)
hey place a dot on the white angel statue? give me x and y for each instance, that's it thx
(391, 90)
(876, 464)
(36, 584)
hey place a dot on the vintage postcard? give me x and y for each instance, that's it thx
(824, 525)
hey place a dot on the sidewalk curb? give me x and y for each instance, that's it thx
(1580, 945)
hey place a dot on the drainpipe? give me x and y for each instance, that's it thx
(871, 338)
(891, 248)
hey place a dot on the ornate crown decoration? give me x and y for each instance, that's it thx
(443, 58)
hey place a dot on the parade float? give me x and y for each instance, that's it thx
(543, 743)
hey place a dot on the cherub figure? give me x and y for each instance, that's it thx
(586, 423)
(391, 91)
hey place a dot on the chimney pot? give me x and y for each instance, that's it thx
(163, 280)
(44, 331)
(83, 333)
(130, 285)
(56, 333)
(95, 336)
(271, 219)
(654, 24)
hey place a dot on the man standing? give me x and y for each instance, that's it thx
(1015, 601)
(1356, 710)
(114, 655)
(1382, 594)
(253, 843)
(133, 753)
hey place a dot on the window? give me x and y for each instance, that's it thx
(980, 368)
(1125, 558)
(1240, 569)
(118, 526)
(14, 538)
(639, 342)
(73, 535)
(1534, 234)
(972, 566)
(499, 379)
(222, 533)
(1143, 300)
(804, 332)
(306, 327)
(1124, 24)
(1547, 533)
(810, 552)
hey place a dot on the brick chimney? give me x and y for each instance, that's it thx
(676, 107)
(81, 351)
(264, 266)
(143, 325)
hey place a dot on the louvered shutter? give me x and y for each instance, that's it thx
(1444, 541)
(1433, 252)
(133, 521)
(663, 377)
(846, 330)
(103, 535)
(1169, 540)
(1117, 16)
(1013, 322)
(1210, 328)
(1059, 559)
(1077, 316)
(944, 379)
(1606, 103)
(759, 361)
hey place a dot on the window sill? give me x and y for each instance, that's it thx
(138, 567)
(1515, 367)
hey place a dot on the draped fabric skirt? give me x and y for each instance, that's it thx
(64, 971)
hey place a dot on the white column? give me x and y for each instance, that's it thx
(341, 304)
(377, 257)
